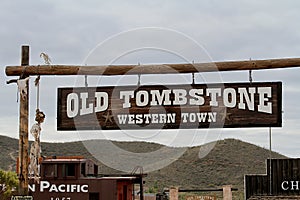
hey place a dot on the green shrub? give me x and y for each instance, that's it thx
(8, 183)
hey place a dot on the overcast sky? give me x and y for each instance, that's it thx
(68, 31)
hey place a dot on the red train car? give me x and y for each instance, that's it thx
(76, 178)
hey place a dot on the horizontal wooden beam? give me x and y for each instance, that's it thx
(152, 69)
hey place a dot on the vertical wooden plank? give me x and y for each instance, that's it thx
(23, 129)
(288, 168)
(298, 169)
(265, 185)
(269, 175)
(141, 188)
(280, 173)
(274, 177)
(246, 185)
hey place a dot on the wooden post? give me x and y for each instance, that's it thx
(141, 188)
(227, 194)
(173, 193)
(23, 130)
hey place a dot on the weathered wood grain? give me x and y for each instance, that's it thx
(23, 130)
(152, 69)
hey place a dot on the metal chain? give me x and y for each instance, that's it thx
(86, 81)
(193, 74)
(250, 75)
(139, 80)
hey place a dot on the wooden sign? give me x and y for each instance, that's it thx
(170, 107)
(282, 178)
(201, 197)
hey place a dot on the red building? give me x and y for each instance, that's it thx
(76, 178)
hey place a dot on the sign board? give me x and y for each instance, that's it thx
(170, 107)
(21, 198)
(282, 179)
(201, 198)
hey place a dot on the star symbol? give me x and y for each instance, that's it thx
(108, 117)
(224, 114)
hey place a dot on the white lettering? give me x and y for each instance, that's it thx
(213, 93)
(202, 116)
(171, 118)
(262, 106)
(229, 92)
(147, 118)
(101, 101)
(44, 185)
(31, 187)
(72, 105)
(180, 97)
(184, 117)
(84, 188)
(142, 98)
(155, 118)
(252, 98)
(53, 188)
(139, 119)
(84, 109)
(74, 188)
(199, 117)
(162, 118)
(294, 185)
(122, 119)
(160, 99)
(244, 95)
(212, 117)
(192, 117)
(196, 99)
(126, 95)
(63, 188)
(131, 119)
(285, 185)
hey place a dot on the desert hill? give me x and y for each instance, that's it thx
(226, 163)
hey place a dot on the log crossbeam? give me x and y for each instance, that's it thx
(109, 70)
